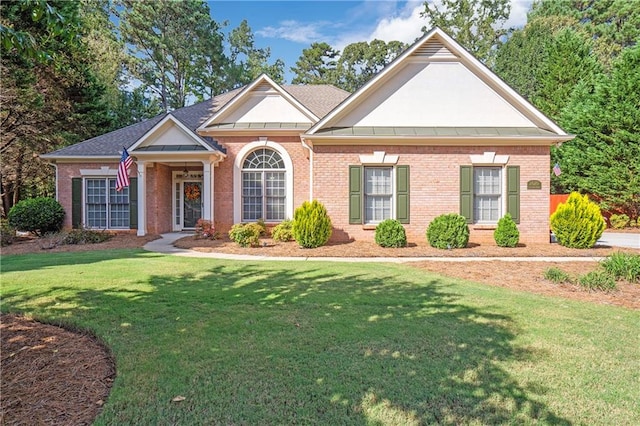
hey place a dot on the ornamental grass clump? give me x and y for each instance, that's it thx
(448, 231)
(311, 225)
(40, 215)
(577, 223)
(623, 266)
(390, 233)
(506, 234)
(597, 280)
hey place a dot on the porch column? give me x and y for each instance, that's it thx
(207, 190)
(142, 198)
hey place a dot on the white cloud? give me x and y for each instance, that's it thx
(518, 16)
(406, 26)
(295, 31)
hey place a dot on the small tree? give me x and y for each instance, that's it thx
(506, 234)
(38, 215)
(311, 225)
(577, 223)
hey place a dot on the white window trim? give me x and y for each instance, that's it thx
(364, 195)
(106, 175)
(379, 158)
(103, 171)
(237, 176)
(503, 198)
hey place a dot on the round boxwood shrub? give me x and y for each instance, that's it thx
(38, 215)
(448, 231)
(390, 233)
(506, 234)
(577, 223)
(283, 231)
(311, 225)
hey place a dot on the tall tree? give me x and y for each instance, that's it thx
(545, 60)
(165, 40)
(246, 61)
(612, 24)
(48, 101)
(475, 24)
(360, 61)
(316, 65)
(604, 158)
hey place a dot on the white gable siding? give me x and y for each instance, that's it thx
(169, 134)
(434, 94)
(261, 108)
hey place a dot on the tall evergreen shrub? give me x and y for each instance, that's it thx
(311, 225)
(577, 223)
(38, 215)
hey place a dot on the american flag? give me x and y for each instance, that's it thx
(122, 181)
(556, 169)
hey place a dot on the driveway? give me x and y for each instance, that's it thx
(618, 239)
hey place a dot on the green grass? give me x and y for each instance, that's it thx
(332, 343)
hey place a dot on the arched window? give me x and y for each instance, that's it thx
(264, 186)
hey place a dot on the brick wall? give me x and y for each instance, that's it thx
(434, 186)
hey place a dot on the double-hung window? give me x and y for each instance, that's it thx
(378, 194)
(487, 191)
(105, 207)
(263, 186)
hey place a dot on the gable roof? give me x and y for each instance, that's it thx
(266, 105)
(436, 90)
(319, 99)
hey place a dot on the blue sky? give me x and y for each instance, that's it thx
(287, 27)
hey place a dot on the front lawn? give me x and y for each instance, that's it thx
(332, 343)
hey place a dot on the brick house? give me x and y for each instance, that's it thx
(434, 132)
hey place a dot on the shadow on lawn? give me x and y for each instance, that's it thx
(319, 345)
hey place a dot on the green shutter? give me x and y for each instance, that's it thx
(133, 203)
(355, 194)
(402, 194)
(76, 203)
(513, 192)
(466, 192)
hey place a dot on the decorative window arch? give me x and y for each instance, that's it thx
(263, 183)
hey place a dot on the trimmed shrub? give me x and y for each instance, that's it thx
(598, 280)
(556, 275)
(7, 233)
(577, 223)
(448, 231)
(390, 233)
(623, 266)
(283, 231)
(619, 221)
(311, 225)
(245, 234)
(38, 215)
(262, 226)
(84, 236)
(506, 234)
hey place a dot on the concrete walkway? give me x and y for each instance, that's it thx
(165, 245)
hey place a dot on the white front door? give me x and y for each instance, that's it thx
(187, 201)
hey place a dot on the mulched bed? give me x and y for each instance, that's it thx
(51, 375)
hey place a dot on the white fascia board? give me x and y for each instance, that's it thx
(382, 74)
(437, 140)
(177, 122)
(237, 100)
(466, 59)
(79, 159)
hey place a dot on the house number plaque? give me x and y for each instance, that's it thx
(534, 184)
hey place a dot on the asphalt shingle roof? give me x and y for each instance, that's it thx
(319, 99)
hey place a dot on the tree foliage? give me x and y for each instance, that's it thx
(48, 101)
(604, 158)
(475, 24)
(613, 25)
(317, 65)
